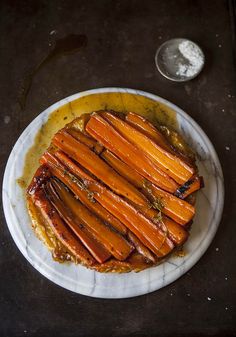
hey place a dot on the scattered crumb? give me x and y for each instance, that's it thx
(223, 110)
(226, 278)
(49, 44)
(226, 308)
(25, 331)
(171, 294)
(229, 96)
(159, 37)
(188, 295)
(227, 148)
(217, 249)
(53, 32)
(217, 35)
(7, 119)
(220, 46)
(209, 298)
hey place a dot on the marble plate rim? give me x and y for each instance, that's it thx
(154, 97)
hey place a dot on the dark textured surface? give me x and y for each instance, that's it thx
(122, 39)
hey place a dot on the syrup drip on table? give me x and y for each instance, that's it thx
(67, 45)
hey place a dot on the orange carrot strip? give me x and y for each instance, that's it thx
(179, 210)
(86, 140)
(140, 247)
(175, 232)
(88, 159)
(189, 187)
(97, 250)
(172, 228)
(60, 171)
(166, 161)
(151, 236)
(144, 229)
(60, 230)
(112, 241)
(148, 129)
(101, 130)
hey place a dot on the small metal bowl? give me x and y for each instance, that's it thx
(168, 58)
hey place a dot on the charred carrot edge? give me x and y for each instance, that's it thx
(166, 161)
(147, 128)
(60, 230)
(152, 132)
(189, 187)
(142, 227)
(102, 131)
(40, 176)
(179, 210)
(60, 171)
(99, 252)
(86, 140)
(141, 249)
(112, 241)
(94, 164)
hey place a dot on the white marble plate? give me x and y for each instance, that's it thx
(83, 281)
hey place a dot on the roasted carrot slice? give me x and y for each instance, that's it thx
(101, 130)
(189, 187)
(79, 189)
(179, 210)
(166, 161)
(112, 241)
(173, 230)
(140, 247)
(93, 163)
(151, 236)
(142, 227)
(123, 169)
(60, 230)
(86, 140)
(96, 249)
(148, 129)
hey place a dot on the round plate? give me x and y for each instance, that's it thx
(84, 281)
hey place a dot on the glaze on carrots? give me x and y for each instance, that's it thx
(60, 230)
(93, 163)
(60, 171)
(166, 161)
(104, 133)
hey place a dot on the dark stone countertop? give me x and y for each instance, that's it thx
(122, 39)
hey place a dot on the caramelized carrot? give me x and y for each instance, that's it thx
(93, 163)
(148, 129)
(179, 210)
(173, 230)
(151, 236)
(86, 140)
(60, 230)
(96, 249)
(101, 130)
(112, 241)
(166, 161)
(143, 228)
(189, 187)
(79, 189)
(140, 247)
